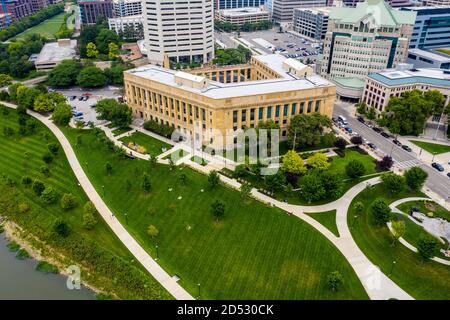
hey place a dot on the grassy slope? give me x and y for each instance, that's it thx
(432, 147)
(14, 163)
(327, 219)
(423, 280)
(255, 252)
(48, 28)
(152, 145)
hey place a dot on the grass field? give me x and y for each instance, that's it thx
(22, 156)
(47, 29)
(432, 148)
(422, 280)
(119, 131)
(438, 211)
(153, 146)
(254, 252)
(327, 219)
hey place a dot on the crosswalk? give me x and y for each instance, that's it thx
(409, 163)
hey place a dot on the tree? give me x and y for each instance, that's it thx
(104, 38)
(91, 76)
(398, 230)
(357, 140)
(47, 102)
(213, 179)
(118, 113)
(62, 114)
(371, 113)
(355, 169)
(246, 190)
(26, 96)
(152, 231)
(108, 168)
(91, 50)
(61, 228)
(393, 182)
(386, 163)
(5, 80)
(380, 211)
(311, 187)
(361, 108)
(358, 207)
(293, 163)
(49, 195)
(64, 74)
(318, 161)
(89, 213)
(218, 209)
(146, 184)
(428, 247)
(340, 143)
(114, 74)
(415, 178)
(275, 181)
(307, 129)
(68, 201)
(38, 187)
(334, 280)
(47, 157)
(12, 89)
(113, 50)
(332, 183)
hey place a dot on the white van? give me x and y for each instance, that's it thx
(342, 119)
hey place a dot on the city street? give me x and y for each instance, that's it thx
(437, 182)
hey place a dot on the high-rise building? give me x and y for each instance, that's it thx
(437, 3)
(18, 9)
(126, 8)
(312, 23)
(90, 10)
(432, 27)
(180, 30)
(5, 20)
(392, 3)
(232, 4)
(362, 40)
(283, 10)
(241, 16)
(37, 5)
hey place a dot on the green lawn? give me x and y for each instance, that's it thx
(433, 148)
(422, 280)
(327, 219)
(438, 211)
(199, 160)
(254, 252)
(47, 29)
(119, 131)
(178, 154)
(22, 156)
(153, 146)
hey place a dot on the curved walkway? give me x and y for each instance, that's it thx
(169, 283)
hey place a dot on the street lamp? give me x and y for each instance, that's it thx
(392, 267)
(157, 252)
(354, 220)
(126, 218)
(103, 187)
(199, 290)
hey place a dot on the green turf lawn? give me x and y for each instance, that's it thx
(254, 252)
(47, 29)
(199, 160)
(178, 154)
(327, 219)
(422, 280)
(438, 212)
(22, 156)
(119, 131)
(433, 148)
(152, 145)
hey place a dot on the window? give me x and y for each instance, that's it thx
(261, 113)
(235, 115)
(277, 111)
(252, 114)
(316, 108)
(302, 104)
(285, 111)
(244, 115)
(294, 108)
(269, 112)
(309, 107)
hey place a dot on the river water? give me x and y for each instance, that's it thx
(20, 280)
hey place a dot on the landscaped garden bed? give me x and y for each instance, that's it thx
(152, 146)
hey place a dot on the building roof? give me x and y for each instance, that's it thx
(218, 90)
(324, 10)
(137, 17)
(377, 12)
(236, 12)
(355, 83)
(430, 55)
(394, 77)
(275, 62)
(56, 52)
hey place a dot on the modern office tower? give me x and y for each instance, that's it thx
(240, 16)
(126, 8)
(90, 10)
(428, 59)
(209, 100)
(382, 85)
(312, 23)
(180, 30)
(18, 9)
(283, 10)
(125, 25)
(231, 4)
(37, 5)
(362, 40)
(437, 3)
(392, 3)
(432, 27)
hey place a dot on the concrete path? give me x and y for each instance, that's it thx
(169, 283)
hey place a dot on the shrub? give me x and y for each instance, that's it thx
(38, 187)
(45, 170)
(53, 148)
(26, 180)
(334, 280)
(46, 267)
(68, 201)
(380, 211)
(160, 129)
(23, 207)
(49, 195)
(8, 131)
(356, 140)
(89, 212)
(213, 179)
(340, 143)
(47, 157)
(385, 163)
(218, 209)
(61, 228)
(355, 169)
(428, 247)
(152, 231)
(22, 254)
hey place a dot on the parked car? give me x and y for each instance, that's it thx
(395, 141)
(80, 98)
(342, 119)
(407, 148)
(348, 129)
(72, 98)
(361, 119)
(376, 129)
(384, 134)
(448, 174)
(334, 119)
(372, 146)
(78, 114)
(437, 166)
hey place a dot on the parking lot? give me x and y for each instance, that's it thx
(293, 45)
